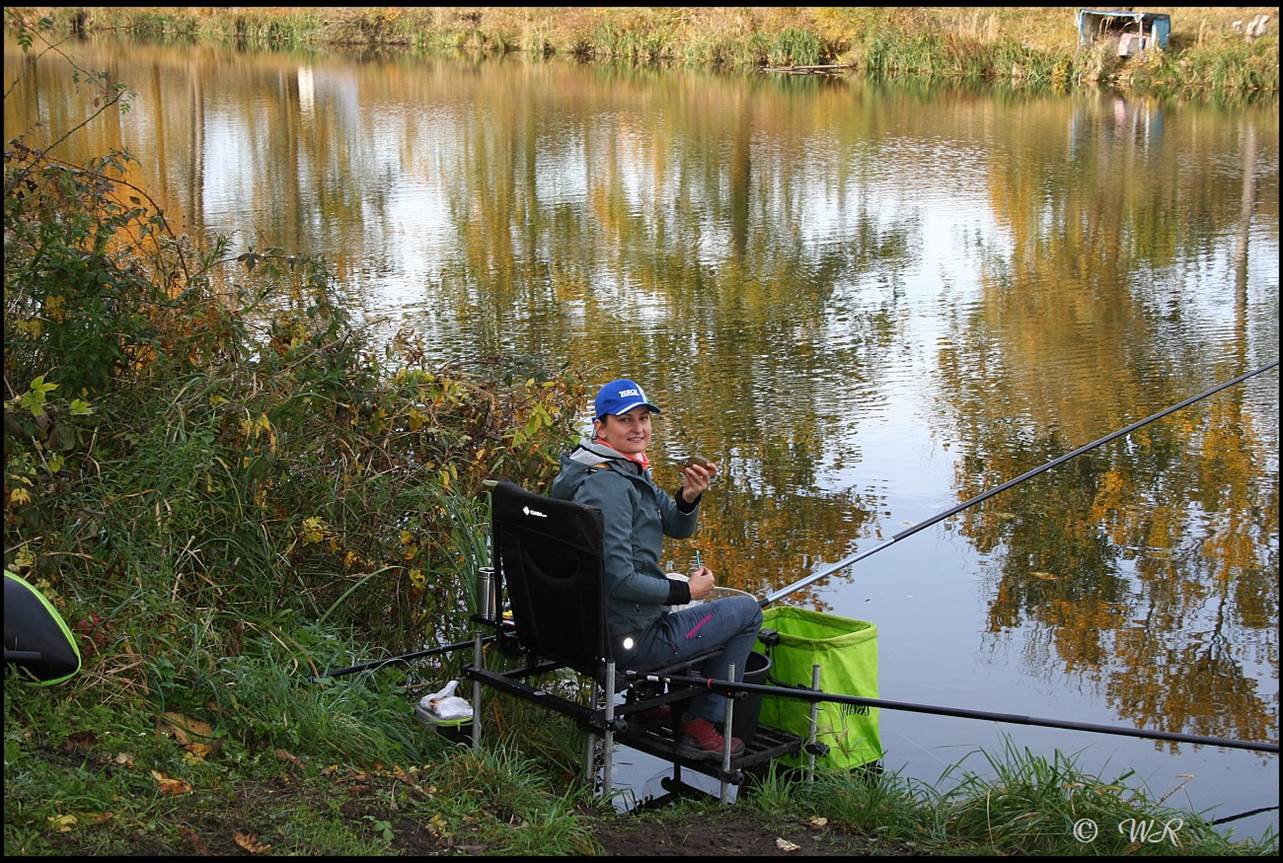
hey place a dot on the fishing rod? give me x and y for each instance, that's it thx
(405, 657)
(816, 695)
(847, 561)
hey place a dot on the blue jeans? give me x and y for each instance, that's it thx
(731, 623)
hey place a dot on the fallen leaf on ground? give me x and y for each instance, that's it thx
(438, 827)
(818, 821)
(282, 755)
(125, 758)
(170, 786)
(182, 728)
(785, 845)
(250, 843)
(82, 740)
(194, 840)
(199, 750)
(193, 735)
(62, 823)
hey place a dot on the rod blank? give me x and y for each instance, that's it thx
(1016, 719)
(847, 561)
(379, 663)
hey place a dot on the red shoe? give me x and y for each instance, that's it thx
(699, 739)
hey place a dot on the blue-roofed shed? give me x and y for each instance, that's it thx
(1133, 31)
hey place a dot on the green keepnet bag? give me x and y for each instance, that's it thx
(847, 652)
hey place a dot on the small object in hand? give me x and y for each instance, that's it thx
(697, 460)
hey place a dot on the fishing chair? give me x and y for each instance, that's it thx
(548, 566)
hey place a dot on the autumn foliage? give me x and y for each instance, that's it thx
(210, 436)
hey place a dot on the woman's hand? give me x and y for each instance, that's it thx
(702, 582)
(695, 479)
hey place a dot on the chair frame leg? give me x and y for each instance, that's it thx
(477, 660)
(608, 753)
(724, 793)
(812, 732)
(591, 746)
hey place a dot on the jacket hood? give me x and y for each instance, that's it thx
(576, 466)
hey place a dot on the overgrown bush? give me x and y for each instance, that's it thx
(197, 445)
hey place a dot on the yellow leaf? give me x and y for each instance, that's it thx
(20, 496)
(250, 843)
(314, 529)
(406, 537)
(23, 559)
(167, 785)
(818, 821)
(62, 823)
(184, 729)
(438, 827)
(55, 308)
(199, 750)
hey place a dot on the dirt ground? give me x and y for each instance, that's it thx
(731, 832)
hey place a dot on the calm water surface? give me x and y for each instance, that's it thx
(867, 304)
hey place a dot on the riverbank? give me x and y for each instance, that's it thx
(341, 768)
(1208, 57)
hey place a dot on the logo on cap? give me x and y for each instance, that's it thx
(619, 397)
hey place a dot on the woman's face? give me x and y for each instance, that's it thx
(629, 434)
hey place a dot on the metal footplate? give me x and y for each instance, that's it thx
(766, 745)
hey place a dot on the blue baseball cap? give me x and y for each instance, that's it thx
(619, 397)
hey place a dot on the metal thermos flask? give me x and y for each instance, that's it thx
(486, 593)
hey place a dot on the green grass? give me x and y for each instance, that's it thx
(334, 767)
(1023, 803)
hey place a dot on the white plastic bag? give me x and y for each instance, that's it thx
(444, 704)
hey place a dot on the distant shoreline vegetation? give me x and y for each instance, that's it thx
(1034, 48)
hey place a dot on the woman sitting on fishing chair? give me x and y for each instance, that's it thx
(612, 473)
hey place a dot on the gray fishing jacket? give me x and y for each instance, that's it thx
(636, 515)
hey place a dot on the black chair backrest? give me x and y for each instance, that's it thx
(548, 555)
